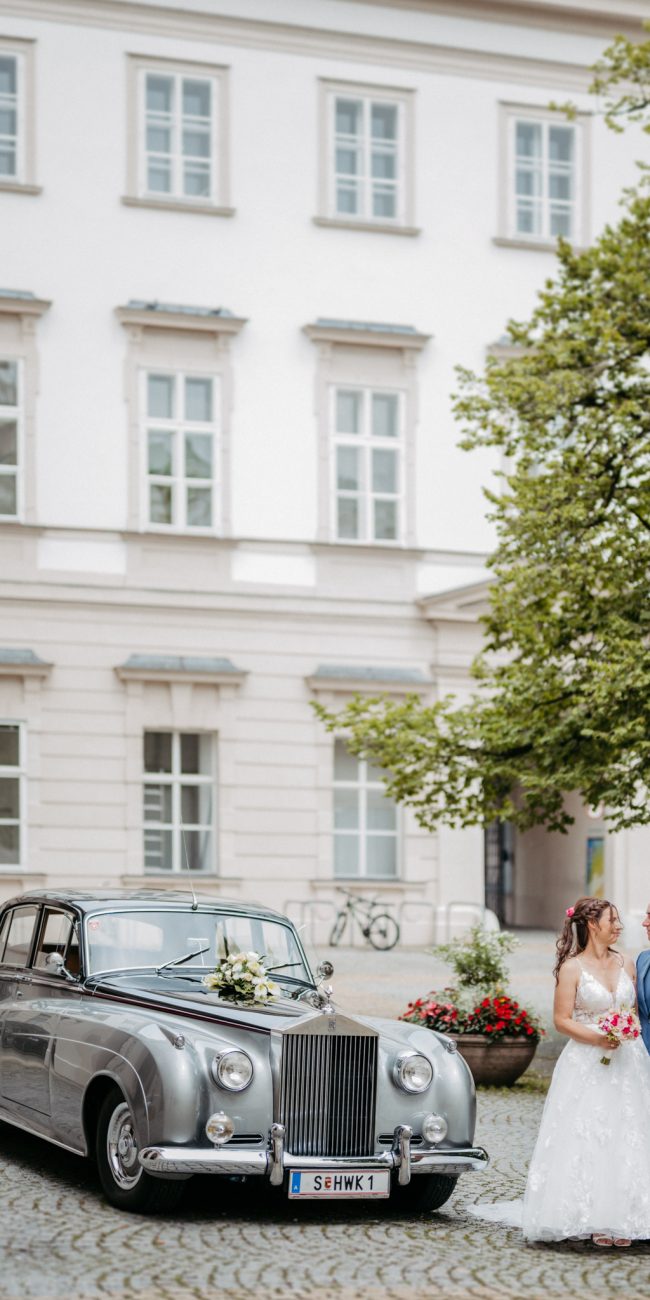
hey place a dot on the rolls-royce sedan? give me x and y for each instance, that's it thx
(120, 1040)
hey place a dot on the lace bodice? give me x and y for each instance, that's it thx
(594, 1000)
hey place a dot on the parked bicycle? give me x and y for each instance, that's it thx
(379, 928)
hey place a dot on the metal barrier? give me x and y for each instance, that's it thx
(419, 907)
(309, 914)
(482, 916)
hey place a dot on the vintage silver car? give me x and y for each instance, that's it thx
(113, 1047)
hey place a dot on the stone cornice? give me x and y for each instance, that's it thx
(584, 17)
(23, 663)
(376, 336)
(156, 317)
(180, 22)
(22, 305)
(457, 605)
(178, 668)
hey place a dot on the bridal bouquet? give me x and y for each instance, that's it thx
(619, 1027)
(242, 976)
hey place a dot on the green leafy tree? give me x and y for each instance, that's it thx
(562, 698)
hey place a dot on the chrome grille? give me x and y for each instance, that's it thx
(327, 1094)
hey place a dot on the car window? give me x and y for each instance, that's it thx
(275, 943)
(123, 940)
(58, 934)
(4, 929)
(19, 939)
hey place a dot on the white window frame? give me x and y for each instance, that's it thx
(510, 115)
(17, 177)
(176, 127)
(403, 100)
(19, 773)
(178, 427)
(216, 202)
(176, 779)
(366, 442)
(362, 786)
(16, 413)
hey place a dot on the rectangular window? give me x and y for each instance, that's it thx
(367, 448)
(365, 820)
(545, 177)
(179, 803)
(179, 136)
(11, 794)
(10, 114)
(180, 440)
(20, 937)
(367, 158)
(10, 429)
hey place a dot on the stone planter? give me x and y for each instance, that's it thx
(497, 1063)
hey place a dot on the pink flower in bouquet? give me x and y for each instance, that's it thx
(620, 1027)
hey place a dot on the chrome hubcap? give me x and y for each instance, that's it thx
(122, 1148)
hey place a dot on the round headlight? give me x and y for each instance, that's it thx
(434, 1128)
(219, 1128)
(413, 1073)
(232, 1070)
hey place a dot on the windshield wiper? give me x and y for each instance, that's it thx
(178, 961)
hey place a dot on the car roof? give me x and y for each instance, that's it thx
(101, 900)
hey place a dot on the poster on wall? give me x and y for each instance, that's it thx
(596, 866)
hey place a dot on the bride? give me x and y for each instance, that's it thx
(590, 1171)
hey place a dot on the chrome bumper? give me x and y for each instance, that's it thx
(161, 1161)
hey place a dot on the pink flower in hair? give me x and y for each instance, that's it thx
(570, 911)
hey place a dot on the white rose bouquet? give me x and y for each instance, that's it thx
(242, 976)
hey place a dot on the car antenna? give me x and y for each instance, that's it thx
(195, 902)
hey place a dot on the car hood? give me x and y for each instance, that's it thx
(187, 997)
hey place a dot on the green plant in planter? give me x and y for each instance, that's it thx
(478, 959)
(477, 1004)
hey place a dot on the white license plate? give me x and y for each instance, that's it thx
(308, 1184)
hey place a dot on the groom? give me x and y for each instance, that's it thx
(643, 983)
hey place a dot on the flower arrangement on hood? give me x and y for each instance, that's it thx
(243, 977)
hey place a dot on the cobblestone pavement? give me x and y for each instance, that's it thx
(59, 1239)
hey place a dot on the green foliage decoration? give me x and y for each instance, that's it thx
(478, 959)
(561, 698)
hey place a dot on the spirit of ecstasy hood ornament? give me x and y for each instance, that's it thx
(322, 995)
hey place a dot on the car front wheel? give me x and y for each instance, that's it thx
(125, 1183)
(424, 1193)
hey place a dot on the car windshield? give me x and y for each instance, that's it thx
(133, 940)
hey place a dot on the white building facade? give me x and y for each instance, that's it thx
(244, 245)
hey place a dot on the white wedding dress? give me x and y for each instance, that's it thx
(590, 1170)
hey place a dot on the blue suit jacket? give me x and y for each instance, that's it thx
(643, 994)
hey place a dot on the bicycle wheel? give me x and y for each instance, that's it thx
(383, 931)
(338, 929)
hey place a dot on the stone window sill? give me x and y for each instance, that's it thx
(18, 187)
(532, 245)
(374, 227)
(177, 205)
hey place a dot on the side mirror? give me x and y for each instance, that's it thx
(325, 970)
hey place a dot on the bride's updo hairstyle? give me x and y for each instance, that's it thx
(575, 935)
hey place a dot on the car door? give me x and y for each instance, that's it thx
(46, 987)
(23, 1046)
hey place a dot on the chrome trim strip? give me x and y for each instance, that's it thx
(35, 1132)
(160, 1160)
